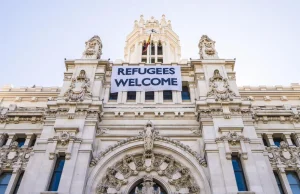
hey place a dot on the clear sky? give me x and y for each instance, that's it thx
(36, 36)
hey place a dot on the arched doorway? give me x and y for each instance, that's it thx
(148, 185)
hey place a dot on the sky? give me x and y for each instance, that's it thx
(37, 35)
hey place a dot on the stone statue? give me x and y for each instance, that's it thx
(93, 48)
(148, 186)
(149, 135)
(207, 48)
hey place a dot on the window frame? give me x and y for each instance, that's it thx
(115, 95)
(296, 175)
(152, 99)
(52, 185)
(165, 94)
(129, 94)
(278, 181)
(185, 92)
(5, 172)
(241, 173)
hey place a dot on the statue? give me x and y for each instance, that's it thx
(149, 134)
(148, 186)
(93, 48)
(207, 48)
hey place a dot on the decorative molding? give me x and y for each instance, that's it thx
(223, 94)
(284, 156)
(14, 156)
(131, 165)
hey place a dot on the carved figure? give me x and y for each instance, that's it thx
(148, 186)
(207, 48)
(93, 48)
(215, 83)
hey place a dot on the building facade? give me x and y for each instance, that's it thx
(212, 138)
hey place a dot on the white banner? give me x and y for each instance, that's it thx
(145, 78)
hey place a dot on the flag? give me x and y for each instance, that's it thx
(147, 43)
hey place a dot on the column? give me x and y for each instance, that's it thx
(160, 97)
(29, 137)
(9, 139)
(174, 96)
(13, 181)
(270, 140)
(143, 97)
(138, 97)
(192, 91)
(287, 137)
(156, 97)
(124, 97)
(155, 45)
(106, 94)
(179, 97)
(119, 99)
(139, 52)
(165, 56)
(284, 181)
(148, 53)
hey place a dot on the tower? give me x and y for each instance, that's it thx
(164, 47)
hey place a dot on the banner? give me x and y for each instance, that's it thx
(145, 78)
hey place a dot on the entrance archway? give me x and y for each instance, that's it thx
(148, 184)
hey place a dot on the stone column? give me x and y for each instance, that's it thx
(156, 97)
(106, 94)
(192, 91)
(13, 181)
(138, 97)
(270, 140)
(29, 137)
(160, 97)
(174, 97)
(124, 97)
(9, 139)
(284, 181)
(142, 97)
(287, 137)
(155, 44)
(165, 54)
(139, 52)
(119, 99)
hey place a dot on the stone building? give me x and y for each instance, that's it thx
(212, 138)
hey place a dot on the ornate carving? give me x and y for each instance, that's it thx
(101, 131)
(14, 156)
(216, 82)
(149, 134)
(233, 138)
(207, 48)
(138, 163)
(148, 186)
(93, 48)
(79, 88)
(284, 155)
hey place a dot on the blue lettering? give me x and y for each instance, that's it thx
(143, 82)
(172, 70)
(174, 81)
(120, 70)
(121, 82)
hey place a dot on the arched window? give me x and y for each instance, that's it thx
(144, 52)
(159, 48)
(152, 48)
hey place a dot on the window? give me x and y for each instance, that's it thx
(185, 93)
(113, 96)
(265, 140)
(152, 49)
(294, 181)
(4, 180)
(239, 174)
(160, 60)
(131, 95)
(21, 141)
(60, 162)
(144, 52)
(18, 183)
(159, 48)
(277, 141)
(149, 95)
(144, 60)
(278, 183)
(167, 95)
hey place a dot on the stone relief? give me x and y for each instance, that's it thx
(93, 48)
(148, 186)
(233, 138)
(164, 165)
(207, 48)
(219, 88)
(79, 88)
(284, 156)
(149, 135)
(14, 156)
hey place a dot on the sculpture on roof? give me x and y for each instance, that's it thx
(93, 48)
(207, 48)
